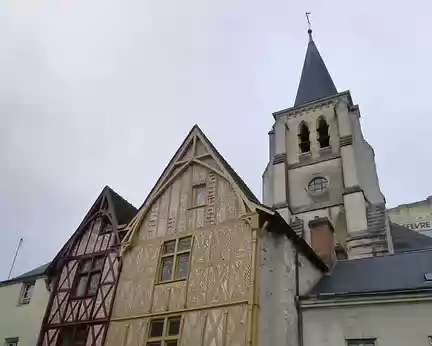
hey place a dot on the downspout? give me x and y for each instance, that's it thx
(297, 300)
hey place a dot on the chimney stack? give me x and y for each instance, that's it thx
(321, 231)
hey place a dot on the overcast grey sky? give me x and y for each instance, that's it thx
(96, 92)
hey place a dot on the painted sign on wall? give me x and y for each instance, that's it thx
(419, 226)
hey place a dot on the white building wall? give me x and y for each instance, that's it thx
(397, 324)
(22, 321)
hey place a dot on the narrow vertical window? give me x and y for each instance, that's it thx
(303, 135)
(88, 276)
(27, 292)
(199, 195)
(323, 133)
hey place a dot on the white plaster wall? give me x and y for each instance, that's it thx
(402, 324)
(268, 181)
(366, 167)
(299, 179)
(278, 314)
(22, 321)
(309, 275)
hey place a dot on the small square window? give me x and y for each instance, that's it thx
(156, 328)
(164, 331)
(199, 195)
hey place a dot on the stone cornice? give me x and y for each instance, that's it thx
(326, 101)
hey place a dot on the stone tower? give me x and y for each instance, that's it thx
(321, 171)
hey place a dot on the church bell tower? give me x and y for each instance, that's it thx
(321, 171)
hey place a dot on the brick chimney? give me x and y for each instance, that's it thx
(321, 232)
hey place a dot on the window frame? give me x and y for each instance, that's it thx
(23, 299)
(88, 273)
(195, 187)
(360, 342)
(175, 255)
(165, 338)
(12, 341)
(318, 192)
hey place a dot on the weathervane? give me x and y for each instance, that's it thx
(309, 26)
(308, 20)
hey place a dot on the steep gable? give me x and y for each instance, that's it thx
(168, 206)
(110, 206)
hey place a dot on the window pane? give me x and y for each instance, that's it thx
(65, 337)
(166, 271)
(171, 343)
(156, 328)
(98, 263)
(85, 266)
(185, 244)
(174, 326)
(80, 335)
(182, 266)
(169, 247)
(94, 283)
(154, 343)
(81, 286)
(199, 195)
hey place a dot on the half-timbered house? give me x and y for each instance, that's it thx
(84, 276)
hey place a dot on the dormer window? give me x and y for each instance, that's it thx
(304, 142)
(323, 133)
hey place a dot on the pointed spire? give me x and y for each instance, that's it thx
(315, 81)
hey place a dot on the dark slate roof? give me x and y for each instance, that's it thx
(404, 271)
(35, 272)
(123, 209)
(39, 271)
(405, 239)
(315, 80)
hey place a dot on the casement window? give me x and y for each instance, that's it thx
(360, 342)
(11, 342)
(174, 261)
(26, 292)
(72, 336)
(88, 276)
(199, 195)
(164, 331)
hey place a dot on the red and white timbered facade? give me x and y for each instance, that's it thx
(84, 276)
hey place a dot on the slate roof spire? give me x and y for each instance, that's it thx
(315, 80)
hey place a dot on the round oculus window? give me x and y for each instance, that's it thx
(318, 185)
